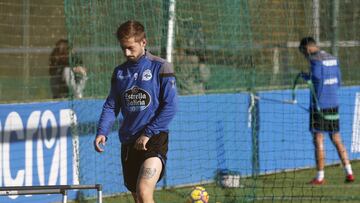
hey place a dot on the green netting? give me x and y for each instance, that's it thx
(219, 46)
(253, 39)
(97, 22)
(202, 40)
(28, 32)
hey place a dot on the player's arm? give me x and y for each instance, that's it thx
(316, 82)
(316, 73)
(168, 102)
(110, 110)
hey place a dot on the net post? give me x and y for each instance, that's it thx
(254, 124)
(170, 34)
(99, 191)
(64, 193)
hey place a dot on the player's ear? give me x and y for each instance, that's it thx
(143, 42)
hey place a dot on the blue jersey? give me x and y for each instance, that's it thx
(145, 92)
(326, 79)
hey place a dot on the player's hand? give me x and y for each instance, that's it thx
(80, 70)
(99, 140)
(305, 76)
(140, 143)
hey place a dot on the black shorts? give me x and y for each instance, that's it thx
(327, 120)
(133, 159)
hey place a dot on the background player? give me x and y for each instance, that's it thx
(324, 79)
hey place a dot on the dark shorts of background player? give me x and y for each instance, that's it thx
(132, 159)
(319, 124)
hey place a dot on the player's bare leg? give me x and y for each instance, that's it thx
(336, 140)
(148, 177)
(135, 197)
(320, 158)
(341, 150)
(319, 151)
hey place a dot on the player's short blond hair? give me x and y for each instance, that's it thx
(131, 29)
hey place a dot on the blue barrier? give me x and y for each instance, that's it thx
(209, 132)
(36, 147)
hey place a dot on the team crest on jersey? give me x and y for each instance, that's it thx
(136, 99)
(147, 75)
(121, 76)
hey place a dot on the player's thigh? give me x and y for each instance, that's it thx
(149, 174)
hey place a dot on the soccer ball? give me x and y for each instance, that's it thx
(199, 195)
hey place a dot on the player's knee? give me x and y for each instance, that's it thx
(144, 194)
(335, 138)
(318, 138)
(318, 143)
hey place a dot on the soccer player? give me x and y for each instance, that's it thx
(143, 88)
(324, 80)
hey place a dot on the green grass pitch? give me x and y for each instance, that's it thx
(291, 186)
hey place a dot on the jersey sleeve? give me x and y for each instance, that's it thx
(110, 110)
(316, 75)
(339, 76)
(168, 102)
(316, 80)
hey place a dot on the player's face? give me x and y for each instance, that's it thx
(63, 48)
(304, 50)
(309, 49)
(132, 49)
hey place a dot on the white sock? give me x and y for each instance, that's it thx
(320, 175)
(348, 170)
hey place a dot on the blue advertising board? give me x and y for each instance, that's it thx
(38, 145)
